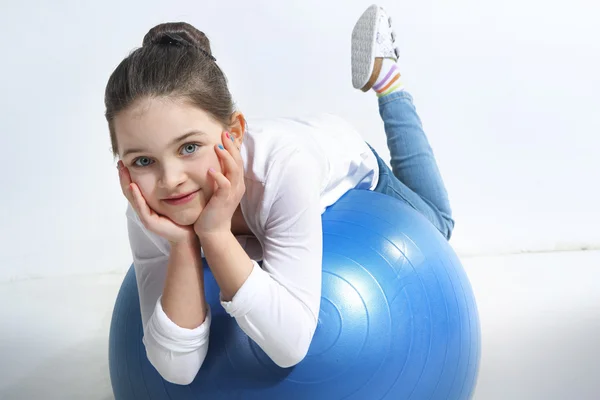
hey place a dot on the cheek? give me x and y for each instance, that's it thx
(147, 184)
(197, 172)
(197, 169)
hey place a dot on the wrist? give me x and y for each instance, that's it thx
(186, 239)
(216, 243)
(185, 244)
(185, 256)
(209, 238)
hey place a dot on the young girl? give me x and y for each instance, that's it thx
(200, 181)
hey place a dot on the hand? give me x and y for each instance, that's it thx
(153, 221)
(230, 188)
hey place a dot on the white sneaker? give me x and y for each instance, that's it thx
(372, 40)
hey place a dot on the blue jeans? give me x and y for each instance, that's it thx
(414, 177)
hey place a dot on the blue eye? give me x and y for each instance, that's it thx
(142, 162)
(189, 148)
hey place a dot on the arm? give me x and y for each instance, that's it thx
(183, 295)
(175, 317)
(277, 306)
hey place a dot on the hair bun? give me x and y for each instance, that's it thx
(178, 34)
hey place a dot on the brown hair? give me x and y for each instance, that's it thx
(175, 60)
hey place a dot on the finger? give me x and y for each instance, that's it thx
(220, 179)
(236, 154)
(228, 138)
(144, 211)
(229, 143)
(125, 181)
(138, 199)
(229, 165)
(121, 168)
(221, 154)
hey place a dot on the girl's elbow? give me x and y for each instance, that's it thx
(295, 352)
(177, 369)
(183, 378)
(292, 357)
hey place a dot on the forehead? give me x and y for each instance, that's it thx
(153, 123)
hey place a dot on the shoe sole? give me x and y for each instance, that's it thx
(363, 47)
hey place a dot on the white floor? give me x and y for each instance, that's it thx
(540, 316)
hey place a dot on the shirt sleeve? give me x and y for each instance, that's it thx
(278, 305)
(177, 353)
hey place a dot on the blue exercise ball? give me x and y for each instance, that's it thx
(398, 320)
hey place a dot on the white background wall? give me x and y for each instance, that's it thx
(508, 91)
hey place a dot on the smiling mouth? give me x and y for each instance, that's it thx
(181, 199)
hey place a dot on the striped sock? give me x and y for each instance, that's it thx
(388, 80)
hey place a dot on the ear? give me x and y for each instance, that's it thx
(237, 127)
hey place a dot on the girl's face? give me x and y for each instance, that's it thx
(168, 147)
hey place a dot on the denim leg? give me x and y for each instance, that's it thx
(416, 178)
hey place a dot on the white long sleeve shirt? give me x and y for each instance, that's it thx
(294, 169)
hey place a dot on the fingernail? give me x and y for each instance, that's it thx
(211, 169)
(221, 147)
(232, 138)
(227, 134)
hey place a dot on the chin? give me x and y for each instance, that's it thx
(185, 217)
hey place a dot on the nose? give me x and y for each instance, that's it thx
(172, 176)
